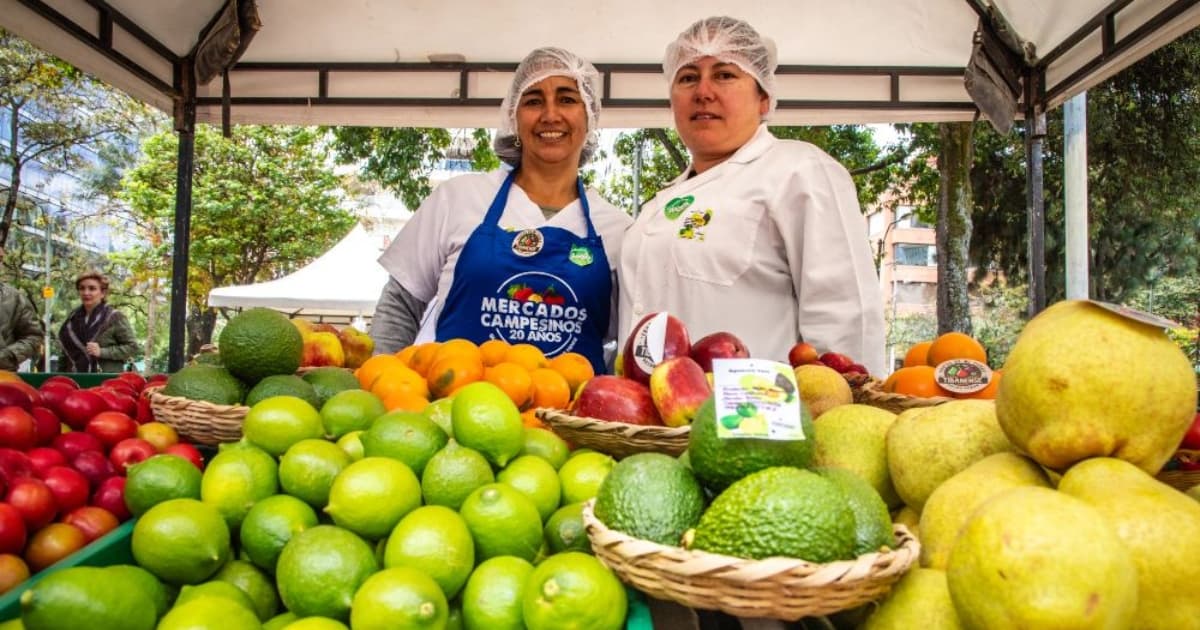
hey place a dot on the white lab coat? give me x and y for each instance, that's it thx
(772, 248)
(423, 255)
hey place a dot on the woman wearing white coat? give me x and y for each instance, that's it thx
(760, 237)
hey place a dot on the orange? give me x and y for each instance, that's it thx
(955, 345)
(987, 393)
(9, 377)
(574, 367)
(422, 358)
(916, 355)
(526, 355)
(493, 351)
(373, 367)
(917, 380)
(530, 420)
(550, 389)
(448, 374)
(513, 379)
(457, 348)
(406, 354)
(400, 378)
(404, 401)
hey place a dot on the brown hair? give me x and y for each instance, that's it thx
(92, 275)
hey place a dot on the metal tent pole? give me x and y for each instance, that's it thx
(1075, 184)
(185, 126)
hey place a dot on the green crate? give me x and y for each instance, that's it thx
(638, 617)
(85, 379)
(111, 548)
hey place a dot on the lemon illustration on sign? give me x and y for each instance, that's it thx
(371, 495)
(452, 474)
(731, 421)
(351, 443)
(573, 590)
(564, 530)
(254, 583)
(503, 522)
(547, 445)
(350, 410)
(209, 613)
(158, 479)
(399, 598)
(537, 480)
(307, 470)
(405, 436)
(320, 570)
(756, 424)
(492, 597)
(236, 478)
(582, 475)
(433, 539)
(485, 419)
(275, 424)
(270, 524)
(181, 541)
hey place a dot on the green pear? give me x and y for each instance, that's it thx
(927, 448)
(1161, 528)
(854, 437)
(920, 599)
(953, 502)
(1036, 558)
(1082, 382)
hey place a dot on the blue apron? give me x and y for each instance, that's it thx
(545, 286)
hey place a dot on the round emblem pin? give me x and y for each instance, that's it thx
(527, 243)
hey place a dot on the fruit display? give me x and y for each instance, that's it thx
(952, 366)
(326, 344)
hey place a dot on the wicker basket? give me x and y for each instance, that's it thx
(872, 394)
(773, 588)
(1182, 480)
(196, 420)
(616, 438)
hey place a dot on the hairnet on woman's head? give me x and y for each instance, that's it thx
(536, 66)
(730, 40)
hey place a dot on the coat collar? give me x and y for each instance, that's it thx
(752, 150)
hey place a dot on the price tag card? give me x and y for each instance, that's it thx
(756, 398)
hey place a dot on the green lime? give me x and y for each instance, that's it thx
(399, 598)
(282, 385)
(307, 470)
(503, 522)
(209, 613)
(280, 621)
(275, 424)
(438, 412)
(433, 539)
(492, 597)
(536, 479)
(320, 569)
(454, 617)
(254, 583)
(452, 474)
(564, 530)
(350, 410)
(573, 590)
(236, 478)
(486, 420)
(65, 598)
(181, 541)
(545, 444)
(405, 436)
(328, 380)
(352, 444)
(316, 623)
(158, 479)
(270, 524)
(371, 495)
(582, 475)
(142, 581)
(223, 590)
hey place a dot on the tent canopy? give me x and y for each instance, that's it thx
(448, 62)
(343, 283)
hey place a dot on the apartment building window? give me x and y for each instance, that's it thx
(906, 217)
(916, 255)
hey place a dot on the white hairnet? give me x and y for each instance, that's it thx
(536, 66)
(730, 40)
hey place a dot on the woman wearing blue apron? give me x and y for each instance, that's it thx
(524, 255)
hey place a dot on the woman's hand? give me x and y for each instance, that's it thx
(93, 349)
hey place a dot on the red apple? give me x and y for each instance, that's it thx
(94, 465)
(73, 443)
(719, 345)
(11, 396)
(186, 451)
(60, 380)
(837, 361)
(678, 387)
(80, 406)
(111, 427)
(48, 426)
(118, 400)
(18, 429)
(658, 337)
(617, 399)
(34, 500)
(12, 530)
(856, 368)
(119, 385)
(134, 379)
(69, 486)
(1191, 439)
(13, 465)
(129, 452)
(44, 458)
(111, 496)
(93, 521)
(803, 353)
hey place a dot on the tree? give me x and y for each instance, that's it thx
(263, 203)
(955, 203)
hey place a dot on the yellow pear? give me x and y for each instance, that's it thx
(822, 388)
(909, 518)
(1036, 558)
(953, 502)
(920, 600)
(1084, 382)
(1161, 528)
(854, 437)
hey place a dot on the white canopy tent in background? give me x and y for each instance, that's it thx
(341, 285)
(447, 63)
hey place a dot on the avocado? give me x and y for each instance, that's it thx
(650, 496)
(872, 521)
(719, 462)
(211, 383)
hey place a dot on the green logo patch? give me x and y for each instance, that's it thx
(676, 206)
(580, 255)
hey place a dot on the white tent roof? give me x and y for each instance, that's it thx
(447, 62)
(344, 282)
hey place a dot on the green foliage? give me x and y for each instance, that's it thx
(658, 168)
(905, 331)
(1177, 299)
(999, 318)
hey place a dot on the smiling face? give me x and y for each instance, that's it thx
(552, 123)
(717, 108)
(90, 292)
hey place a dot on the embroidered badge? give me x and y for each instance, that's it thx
(676, 206)
(580, 255)
(694, 224)
(527, 243)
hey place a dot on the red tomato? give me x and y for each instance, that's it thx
(12, 529)
(53, 543)
(93, 521)
(1191, 439)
